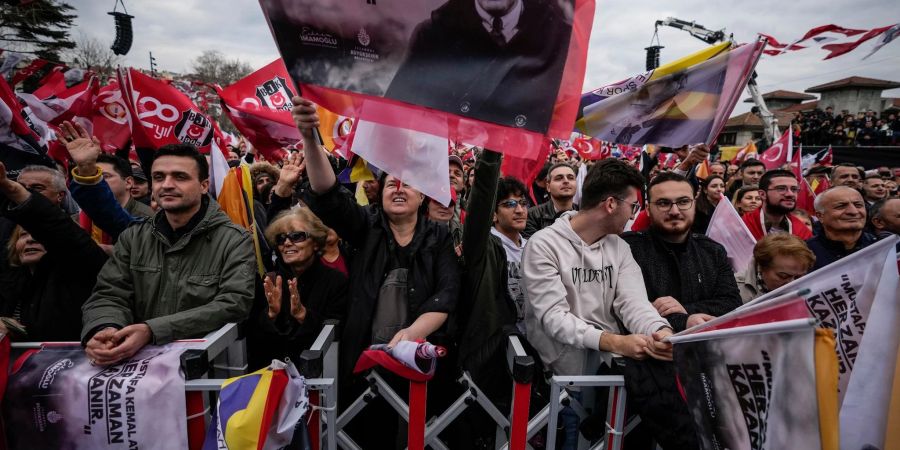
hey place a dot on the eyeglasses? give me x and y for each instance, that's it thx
(513, 203)
(635, 207)
(295, 237)
(683, 204)
(783, 189)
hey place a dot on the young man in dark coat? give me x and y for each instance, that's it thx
(688, 280)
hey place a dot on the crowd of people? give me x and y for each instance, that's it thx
(158, 260)
(865, 128)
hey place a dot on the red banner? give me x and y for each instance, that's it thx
(160, 114)
(260, 105)
(110, 118)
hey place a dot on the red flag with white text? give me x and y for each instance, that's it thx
(110, 118)
(160, 114)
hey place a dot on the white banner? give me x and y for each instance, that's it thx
(58, 400)
(841, 297)
(752, 391)
(727, 228)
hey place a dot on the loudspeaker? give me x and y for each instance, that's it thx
(124, 35)
(653, 56)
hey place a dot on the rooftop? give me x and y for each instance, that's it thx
(854, 82)
(784, 95)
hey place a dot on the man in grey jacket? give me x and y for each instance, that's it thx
(185, 272)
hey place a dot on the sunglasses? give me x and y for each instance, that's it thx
(512, 203)
(295, 237)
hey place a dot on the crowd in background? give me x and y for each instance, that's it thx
(865, 128)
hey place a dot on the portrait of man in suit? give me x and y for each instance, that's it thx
(499, 61)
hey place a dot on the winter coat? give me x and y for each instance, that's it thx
(828, 251)
(540, 217)
(52, 296)
(323, 292)
(433, 272)
(180, 289)
(702, 281)
(748, 283)
(485, 307)
(755, 223)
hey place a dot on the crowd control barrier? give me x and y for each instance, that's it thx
(208, 362)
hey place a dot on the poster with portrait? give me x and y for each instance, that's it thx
(495, 61)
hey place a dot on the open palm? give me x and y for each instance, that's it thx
(82, 147)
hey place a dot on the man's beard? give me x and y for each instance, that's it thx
(664, 230)
(778, 209)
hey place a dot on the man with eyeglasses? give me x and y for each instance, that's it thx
(585, 296)
(778, 189)
(842, 213)
(689, 281)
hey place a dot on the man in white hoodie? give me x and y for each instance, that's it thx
(583, 285)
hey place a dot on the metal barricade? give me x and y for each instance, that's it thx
(511, 427)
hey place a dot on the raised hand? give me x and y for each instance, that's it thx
(305, 116)
(82, 147)
(298, 311)
(10, 189)
(273, 295)
(293, 167)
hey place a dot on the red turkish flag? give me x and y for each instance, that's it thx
(777, 155)
(591, 149)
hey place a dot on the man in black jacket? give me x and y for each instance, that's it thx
(689, 280)
(561, 186)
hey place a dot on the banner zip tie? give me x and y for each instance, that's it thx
(199, 414)
(230, 368)
(611, 430)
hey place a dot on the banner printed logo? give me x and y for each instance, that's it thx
(309, 36)
(194, 128)
(112, 106)
(275, 94)
(753, 385)
(51, 372)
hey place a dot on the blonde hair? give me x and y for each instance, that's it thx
(782, 244)
(318, 232)
(11, 253)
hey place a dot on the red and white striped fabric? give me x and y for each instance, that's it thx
(836, 39)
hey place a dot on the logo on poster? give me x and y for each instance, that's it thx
(309, 36)
(54, 417)
(194, 128)
(50, 373)
(363, 37)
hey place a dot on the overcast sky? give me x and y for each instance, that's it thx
(177, 31)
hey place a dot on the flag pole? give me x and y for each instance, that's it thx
(763, 328)
(746, 308)
(316, 134)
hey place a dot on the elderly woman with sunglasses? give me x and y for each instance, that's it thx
(300, 294)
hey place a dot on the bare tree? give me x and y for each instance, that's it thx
(212, 67)
(94, 55)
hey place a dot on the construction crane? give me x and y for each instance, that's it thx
(770, 125)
